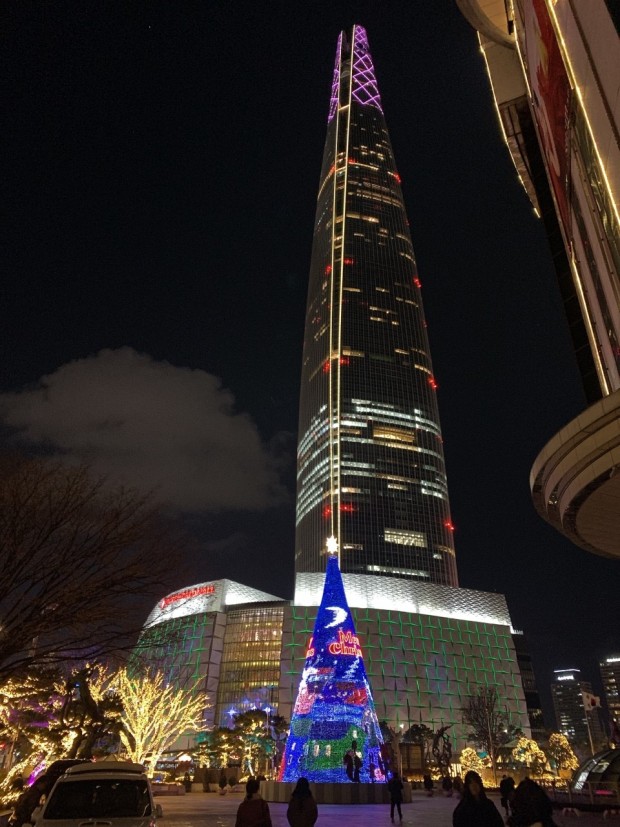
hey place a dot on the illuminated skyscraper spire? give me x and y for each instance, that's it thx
(370, 458)
(334, 733)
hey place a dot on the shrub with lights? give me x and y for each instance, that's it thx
(334, 734)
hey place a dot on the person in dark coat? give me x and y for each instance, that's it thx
(348, 763)
(253, 810)
(446, 785)
(428, 784)
(475, 809)
(395, 787)
(29, 800)
(531, 805)
(506, 790)
(357, 766)
(302, 810)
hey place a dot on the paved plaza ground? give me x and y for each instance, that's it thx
(212, 810)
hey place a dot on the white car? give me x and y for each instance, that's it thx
(105, 794)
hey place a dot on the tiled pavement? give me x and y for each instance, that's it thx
(212, 810)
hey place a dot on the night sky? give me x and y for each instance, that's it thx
(163, 166)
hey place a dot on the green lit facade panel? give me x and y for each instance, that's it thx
(188, 650)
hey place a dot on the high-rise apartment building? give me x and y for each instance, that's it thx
(575, 718)
(370, 464)
(610, 676)
(553, 67)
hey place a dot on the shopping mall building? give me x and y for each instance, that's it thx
(427, 647)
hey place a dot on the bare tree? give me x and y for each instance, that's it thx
(78, 559)
(487, 722)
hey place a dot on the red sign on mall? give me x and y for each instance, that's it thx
(186, 594)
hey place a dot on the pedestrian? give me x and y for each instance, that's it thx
(506, 790)
(474, 808)
(29, 800)
(531, 805)
(395, 788)
(302, 810)
(428, 785)
(446, 786)
(348, 764)
(253, 810)
(457, 785)
(357, 766)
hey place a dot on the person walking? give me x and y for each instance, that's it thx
(475, 809)
(395, 787)
(302, 810)
(446, 785)
(428, 784)
(530, 805)
(457, 785)
(506, 790)
(253, 810)
(357, 766)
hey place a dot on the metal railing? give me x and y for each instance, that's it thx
(591, 795)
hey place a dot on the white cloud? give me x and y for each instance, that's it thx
(154, 426)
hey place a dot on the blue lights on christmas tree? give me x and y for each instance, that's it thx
(334, 735)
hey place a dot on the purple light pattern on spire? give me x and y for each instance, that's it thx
(365, 89)
(333, 103)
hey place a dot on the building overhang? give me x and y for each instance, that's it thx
(369, 591)
(575, 480)
(488, 17)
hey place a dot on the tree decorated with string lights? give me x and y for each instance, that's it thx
(562, 753)
(46, 714)
(470, 760)
(528, 752)
(29, 709)
(156, 713)
(221, 748)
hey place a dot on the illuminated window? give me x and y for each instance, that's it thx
(405, 538)
(393, 434)
(405, 572)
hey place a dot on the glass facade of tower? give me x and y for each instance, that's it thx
(370, 460)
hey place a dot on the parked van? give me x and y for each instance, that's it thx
(118, 794)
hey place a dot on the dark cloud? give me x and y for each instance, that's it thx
(152, 425)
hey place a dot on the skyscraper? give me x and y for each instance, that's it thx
(610, 676)
(575, 717)
(370, 468)
(371, 473)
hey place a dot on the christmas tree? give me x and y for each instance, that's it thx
(334, 735)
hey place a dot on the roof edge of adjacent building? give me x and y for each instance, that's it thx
(575, 479)
(371, 591)
(491, 21)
